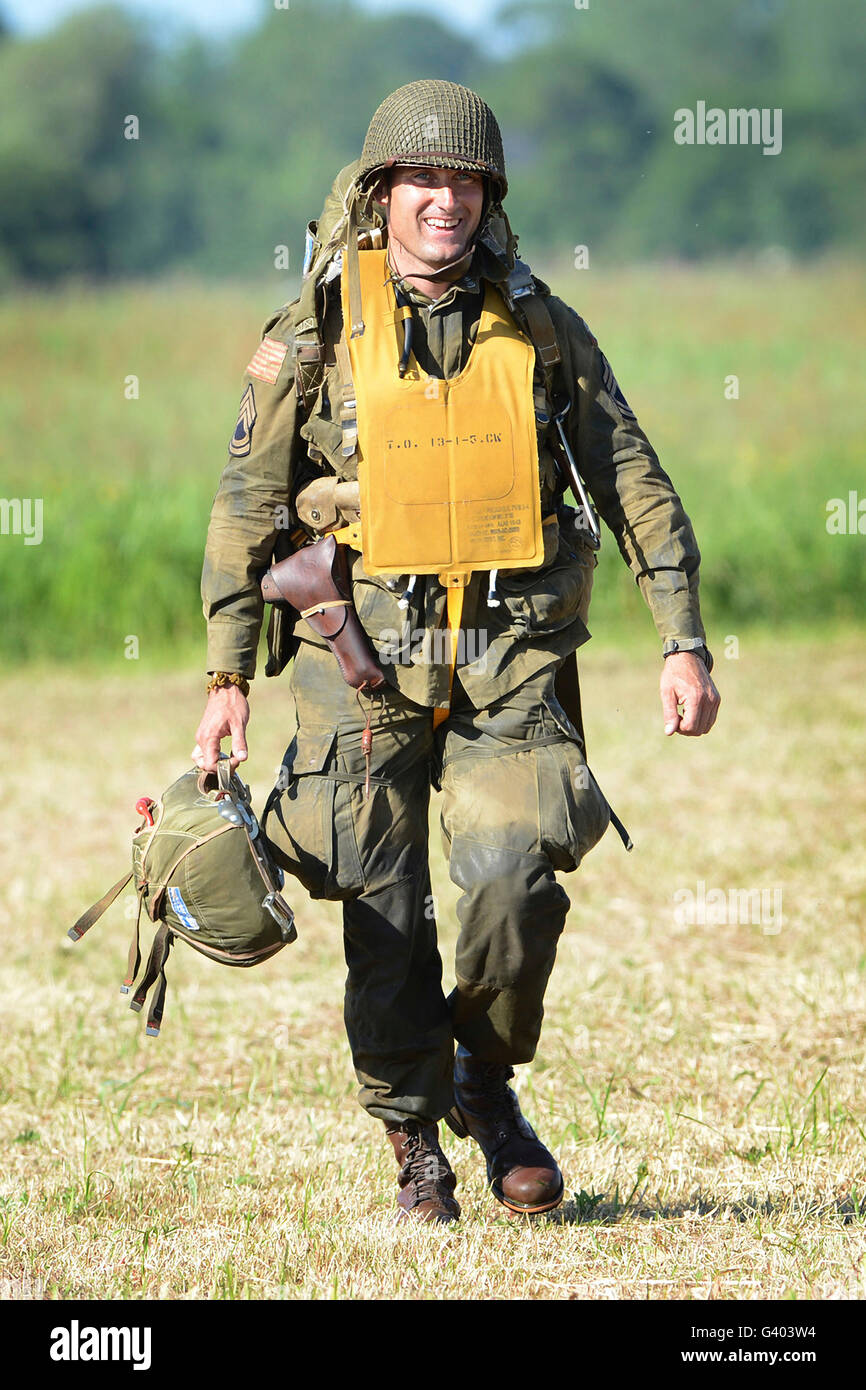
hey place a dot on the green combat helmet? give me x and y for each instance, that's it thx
(429, 122)
(435, 123)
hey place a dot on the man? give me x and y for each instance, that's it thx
(442, 319)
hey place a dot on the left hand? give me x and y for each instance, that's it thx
(687, 682)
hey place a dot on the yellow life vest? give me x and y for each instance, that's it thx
(448, 470)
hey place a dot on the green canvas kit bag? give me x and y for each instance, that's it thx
(203, 871)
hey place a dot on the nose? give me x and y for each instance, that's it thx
(447, 197)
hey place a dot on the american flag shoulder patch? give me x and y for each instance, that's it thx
(268, 359)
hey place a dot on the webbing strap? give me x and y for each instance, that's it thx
(349, 535)
(155, 961)
(348, 402)
(541, 330)
(353, 273)
(133, 959)
(157, 1005)
(93, 914)
(455, 591)
(620, 828)
(309, 365)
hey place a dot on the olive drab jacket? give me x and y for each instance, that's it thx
(278, 447)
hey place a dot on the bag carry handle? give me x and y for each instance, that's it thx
(224, 777)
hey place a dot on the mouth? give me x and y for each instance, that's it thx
(442, 226)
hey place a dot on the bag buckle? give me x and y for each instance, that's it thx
(283, 916)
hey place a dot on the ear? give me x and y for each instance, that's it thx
(381, 191)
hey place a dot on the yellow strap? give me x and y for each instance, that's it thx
(455, 584)
(349, 535)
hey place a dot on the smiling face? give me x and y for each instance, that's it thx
(432, 216)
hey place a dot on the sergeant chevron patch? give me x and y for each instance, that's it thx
(267, 361)
(614, 390)
(242, 438)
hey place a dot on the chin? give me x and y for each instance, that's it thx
(441, 255)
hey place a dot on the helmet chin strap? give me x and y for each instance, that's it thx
(439, 274)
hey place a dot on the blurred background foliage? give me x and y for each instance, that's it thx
(154, 259)
(239, 139)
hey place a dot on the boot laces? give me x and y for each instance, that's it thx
(503, 1107)
(424, 1167)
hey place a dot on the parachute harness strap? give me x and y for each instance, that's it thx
(455, 584)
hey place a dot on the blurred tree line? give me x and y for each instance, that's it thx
(238, 141)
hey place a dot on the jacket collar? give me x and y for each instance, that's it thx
(483, 266)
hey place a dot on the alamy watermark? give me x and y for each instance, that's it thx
(409, 646)
(846, 517)
(703, 906)
(740, 125)
(23, 1287)
(77, 1343)
(22, 516)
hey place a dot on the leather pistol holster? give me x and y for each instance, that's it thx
(315, 581)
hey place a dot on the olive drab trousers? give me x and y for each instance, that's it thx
(518, 803)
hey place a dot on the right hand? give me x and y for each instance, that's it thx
(227, 712)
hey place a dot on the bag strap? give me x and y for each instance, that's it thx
(133, 958)
(154, 970)
(157, 1003)
(93, 914)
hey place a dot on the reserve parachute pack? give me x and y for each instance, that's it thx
(203, 872)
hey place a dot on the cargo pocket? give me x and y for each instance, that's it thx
(545, 601)
(309, 818)
(573, 812)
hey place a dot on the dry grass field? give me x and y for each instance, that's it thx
(702, 1082)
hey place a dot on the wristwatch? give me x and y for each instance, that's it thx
(697, 648)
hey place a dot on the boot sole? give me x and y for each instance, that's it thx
(528, 1210)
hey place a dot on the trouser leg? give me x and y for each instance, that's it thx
(371, 854)
(397, 1020)
(512, 913)
(517, 806)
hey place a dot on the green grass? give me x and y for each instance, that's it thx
(700, 1084)
(127, 484)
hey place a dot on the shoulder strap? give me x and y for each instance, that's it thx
(524, 299)
(530, 309)
(348, 401)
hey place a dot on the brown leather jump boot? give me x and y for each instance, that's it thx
(426, 1181)
(522, 1173)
